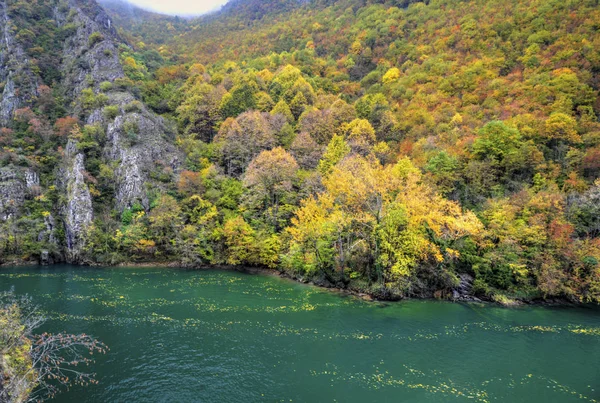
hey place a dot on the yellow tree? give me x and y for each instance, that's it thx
(382, 222)
(316, 226)
(165, 221)
(360, 135)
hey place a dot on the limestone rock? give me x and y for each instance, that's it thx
(13, 190)
(464, 290)
(139, 154)
(85, 60)
(139, 144)
(14, 67)
(138, 141)
(77, 212)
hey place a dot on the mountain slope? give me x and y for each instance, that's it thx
(137, 24)
(447, 148)
(495, 103)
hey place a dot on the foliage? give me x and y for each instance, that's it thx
(397, 144)
(38, 366)
(95, 37)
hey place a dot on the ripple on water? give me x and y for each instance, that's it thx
(223, 336)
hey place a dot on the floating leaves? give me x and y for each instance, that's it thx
(276, 315)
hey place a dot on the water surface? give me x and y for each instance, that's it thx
(215, 336)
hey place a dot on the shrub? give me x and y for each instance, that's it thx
(134, 106)
(95, 37)
(106, 86)
(41, 361)
(68, 30)
(480, 288)
(111, 111)
(101, 100)
(90, 101)
(95, 132)
(131, 131)
(123, 83)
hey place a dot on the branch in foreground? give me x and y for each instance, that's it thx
(35, 367)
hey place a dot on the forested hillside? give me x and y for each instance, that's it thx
(397, 148)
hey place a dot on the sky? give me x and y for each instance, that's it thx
(180, 7)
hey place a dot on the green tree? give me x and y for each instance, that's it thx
(336, 150)
(269, 179)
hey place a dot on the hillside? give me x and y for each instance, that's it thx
(138, 25)
(397, 148)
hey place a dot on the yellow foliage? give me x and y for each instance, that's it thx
(368, 204)
(391, 75)
(130, 62)
(197, 69)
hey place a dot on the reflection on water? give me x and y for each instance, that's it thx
(178, 335)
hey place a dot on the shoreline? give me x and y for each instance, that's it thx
(265, 271)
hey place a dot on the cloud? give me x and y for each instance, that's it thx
(180, 7)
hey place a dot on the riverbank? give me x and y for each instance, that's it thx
(463, 295)
(351, 288)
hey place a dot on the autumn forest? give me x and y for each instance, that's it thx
(388, 147)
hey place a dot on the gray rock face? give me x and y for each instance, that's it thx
(130, 182)
(77, 212)
(13, 190)
(85, 60)
(32, 179)
(45, 258)
(14, 67)
(136, 140)
(464, 291)
(138, 157)
(48, 234)
(9, 102)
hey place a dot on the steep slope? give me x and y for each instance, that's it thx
(428, 148)
(251, 10)
(442, 148)
(14, 66)
(137, 24)
(105, 119)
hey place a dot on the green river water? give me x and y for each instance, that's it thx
(218, 336)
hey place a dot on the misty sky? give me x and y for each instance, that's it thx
(180, 7)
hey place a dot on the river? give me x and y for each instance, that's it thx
(220, 336)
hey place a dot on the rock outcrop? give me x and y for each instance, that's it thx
(138, 141)
(19, 83)
(13, 190)
(90, 55)
(464, 290)
(16, 184)
(77, 211)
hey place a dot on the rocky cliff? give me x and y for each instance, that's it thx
(77, 210)
(92, 86)
(18, 83)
